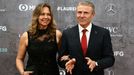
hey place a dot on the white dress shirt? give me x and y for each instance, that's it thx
(88, 32)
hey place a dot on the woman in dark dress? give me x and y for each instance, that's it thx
(41, 42)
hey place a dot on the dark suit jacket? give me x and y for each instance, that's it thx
(99, 49)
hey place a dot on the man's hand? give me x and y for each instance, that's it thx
(91, 64)
(70, 65)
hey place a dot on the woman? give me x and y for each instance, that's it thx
(41, 42)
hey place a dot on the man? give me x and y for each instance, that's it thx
(86, 49)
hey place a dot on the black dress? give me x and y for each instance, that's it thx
(42, 54)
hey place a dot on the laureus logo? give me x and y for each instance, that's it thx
(25, 7)
(111, 9)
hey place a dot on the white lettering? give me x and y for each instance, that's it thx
(2, 50)
(112, 29)
(118, 53)
(66, 8)
(25, 7)
(31, 7)
(2, 10)
(3, 28)
(109, 72)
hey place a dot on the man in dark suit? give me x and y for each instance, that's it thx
(86, 49)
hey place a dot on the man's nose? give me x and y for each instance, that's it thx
(82, 15)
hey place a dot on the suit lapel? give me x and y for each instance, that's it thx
(77, 40)
(91, 39)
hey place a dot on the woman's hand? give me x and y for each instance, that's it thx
(27, 73)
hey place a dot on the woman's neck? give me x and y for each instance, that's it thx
(42, 27)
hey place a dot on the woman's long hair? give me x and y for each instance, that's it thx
(51, 29)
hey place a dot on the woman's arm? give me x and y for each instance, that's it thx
(58, 37)
(21, 53)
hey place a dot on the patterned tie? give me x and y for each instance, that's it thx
(84, 41)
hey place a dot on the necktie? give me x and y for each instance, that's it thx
(84, 42)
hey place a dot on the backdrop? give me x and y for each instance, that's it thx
(115, 15)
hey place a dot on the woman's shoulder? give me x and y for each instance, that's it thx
(24, 38)
(24, 35)
(58, 35)
(58, 32)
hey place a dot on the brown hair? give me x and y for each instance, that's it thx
(34, 24)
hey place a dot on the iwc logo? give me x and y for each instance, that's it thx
(111, 9)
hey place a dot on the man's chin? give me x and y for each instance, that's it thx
(82, 24)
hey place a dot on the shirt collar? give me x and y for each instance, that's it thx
(88, 27)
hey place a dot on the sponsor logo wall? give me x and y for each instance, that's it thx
(115, 15)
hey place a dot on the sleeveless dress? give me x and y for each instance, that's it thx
(42, 55)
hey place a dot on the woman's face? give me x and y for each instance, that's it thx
(44, 18)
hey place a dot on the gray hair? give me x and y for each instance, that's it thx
(87, 3)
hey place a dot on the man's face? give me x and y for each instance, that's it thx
(84, 15)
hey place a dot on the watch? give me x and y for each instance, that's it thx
(96, 63)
